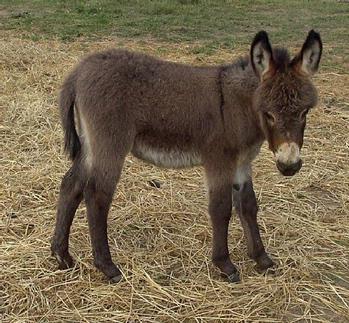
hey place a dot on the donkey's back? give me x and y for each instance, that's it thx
(144, 84)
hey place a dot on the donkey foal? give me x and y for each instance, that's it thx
(172, 115)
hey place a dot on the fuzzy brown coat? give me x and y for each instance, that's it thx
(174, 115)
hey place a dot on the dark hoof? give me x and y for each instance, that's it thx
(115, 279)
(234, 277)
(227, 269)
(110, 270)
(265, 264)
(64, 261)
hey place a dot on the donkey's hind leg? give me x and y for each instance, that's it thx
(98, 196)
(70, 196)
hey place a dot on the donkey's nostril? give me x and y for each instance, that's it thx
(297, 166)
(289, 169)
(281, 166)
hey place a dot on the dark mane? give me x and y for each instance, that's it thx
(281, 58)
(238, 65)
(242, 62)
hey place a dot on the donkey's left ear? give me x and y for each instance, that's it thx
(307, 61)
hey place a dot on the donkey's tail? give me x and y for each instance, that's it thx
(72, 145)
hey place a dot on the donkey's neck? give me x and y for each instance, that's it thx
(238, 84)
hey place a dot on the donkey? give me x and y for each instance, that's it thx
(175, 116)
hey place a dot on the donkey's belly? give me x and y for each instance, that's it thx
(166, 157)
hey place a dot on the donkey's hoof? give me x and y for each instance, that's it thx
(234, 278)
(115, 279)
(64, 261)
(265, 264)
(110, 270)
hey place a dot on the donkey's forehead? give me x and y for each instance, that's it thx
(286, 92)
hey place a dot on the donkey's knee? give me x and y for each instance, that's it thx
(99, 192)
(245, 201)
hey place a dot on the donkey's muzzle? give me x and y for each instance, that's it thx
(289, 169)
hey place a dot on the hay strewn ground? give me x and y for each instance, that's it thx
(161, 237)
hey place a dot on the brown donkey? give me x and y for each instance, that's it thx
(174, 116)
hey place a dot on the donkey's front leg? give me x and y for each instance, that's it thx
(246, 205)
(220, 207)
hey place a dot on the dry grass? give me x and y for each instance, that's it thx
(161, 237)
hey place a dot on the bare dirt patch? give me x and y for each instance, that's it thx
(4, 12)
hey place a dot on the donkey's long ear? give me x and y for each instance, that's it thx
(262, 56)
(307, 61)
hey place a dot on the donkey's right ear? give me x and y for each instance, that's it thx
(261, 56)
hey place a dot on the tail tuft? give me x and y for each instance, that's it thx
(72, 145)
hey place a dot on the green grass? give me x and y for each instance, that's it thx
(210, 24)
(224, 23)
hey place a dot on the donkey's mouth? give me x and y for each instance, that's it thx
(289, 170)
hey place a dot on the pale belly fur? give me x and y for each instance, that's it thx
(174, 158)
(171, 158)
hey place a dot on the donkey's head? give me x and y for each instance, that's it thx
(285, 95)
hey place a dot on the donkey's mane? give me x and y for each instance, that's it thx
(281, 58)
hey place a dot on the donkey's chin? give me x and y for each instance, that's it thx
(289, 170)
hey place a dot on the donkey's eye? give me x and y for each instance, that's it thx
(303, 114)
(269, 117)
